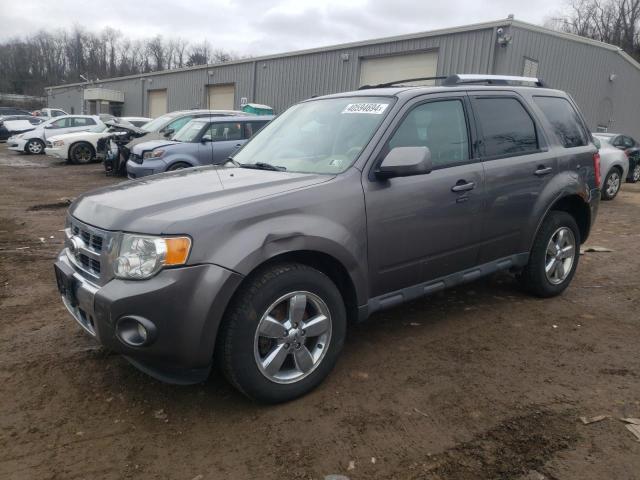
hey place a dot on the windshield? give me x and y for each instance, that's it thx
(157, 124)
(321, 136)
(190, 131)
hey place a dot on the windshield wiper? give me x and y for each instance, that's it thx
(262, 166)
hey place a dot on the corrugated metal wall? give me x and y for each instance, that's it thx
(580, 68)
(283, 81)
(583, 70)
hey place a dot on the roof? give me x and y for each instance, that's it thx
(345, 46)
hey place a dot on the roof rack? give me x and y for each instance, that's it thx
(464, 79)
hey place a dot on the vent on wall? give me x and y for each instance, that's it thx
(530, 68)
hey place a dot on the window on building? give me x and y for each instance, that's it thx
(507, 127)
(564, 119)
(530, 68)
(441, 126)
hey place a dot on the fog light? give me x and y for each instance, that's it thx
(135, 331)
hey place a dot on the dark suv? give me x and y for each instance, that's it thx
(340, 207)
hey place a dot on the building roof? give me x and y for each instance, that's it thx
(346, 46)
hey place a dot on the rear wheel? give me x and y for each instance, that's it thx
(635, 173)
(34, 146)
(612, 184)
(554, 256)
(81, 153)
(282, 333)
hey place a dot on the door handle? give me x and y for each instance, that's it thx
(542, 170)
(463, 186)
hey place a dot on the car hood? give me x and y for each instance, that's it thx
(153, 204)
(150, 145)
(88, 136)
(145, 138)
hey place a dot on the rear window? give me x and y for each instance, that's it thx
(507, 127)
(564, 119)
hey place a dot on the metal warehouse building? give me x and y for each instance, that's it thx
(603, 79)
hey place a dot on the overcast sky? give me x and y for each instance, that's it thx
(259, 27)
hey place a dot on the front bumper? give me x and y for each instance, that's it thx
(147, 167)
(57, 152)
(184, 304)
(16, 144)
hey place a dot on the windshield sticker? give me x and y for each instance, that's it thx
(371, 108)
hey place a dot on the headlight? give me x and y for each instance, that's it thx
(143, 256)
(153, 153)
(58, 143)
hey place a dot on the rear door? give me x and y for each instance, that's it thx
(517, 166)
(426, 226)
(227, 137)
(58, 127)
(80, 124)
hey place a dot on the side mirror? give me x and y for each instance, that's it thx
(167, 133)
(405, 162)
(206, 139)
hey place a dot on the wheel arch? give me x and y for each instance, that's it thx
(575, 206)
(79, 142)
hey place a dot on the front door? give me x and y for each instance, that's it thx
(426, 226)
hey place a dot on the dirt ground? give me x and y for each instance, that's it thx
(480, 382)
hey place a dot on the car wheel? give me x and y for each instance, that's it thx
(282, 333)
(611, 185)
(82, 153)
(554, 256)
(34, 146)
(635, 174)
(178, 166)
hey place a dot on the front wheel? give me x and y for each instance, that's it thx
(34, 146)
(282, 333)
(82, 153)
(635, 173)
(178, 166)
(554, 256)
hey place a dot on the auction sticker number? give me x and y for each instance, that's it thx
(371, 108)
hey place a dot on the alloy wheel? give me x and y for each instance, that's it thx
(560, 255)
(292, 337)
(636, 173)
(82, 153)
(34, 147)
(613, 184)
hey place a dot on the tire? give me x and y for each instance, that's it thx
(35, 146)
(82, 153)
(243, 352)
(178, 166)
(534, 277)
(634, 175)
(612, 183)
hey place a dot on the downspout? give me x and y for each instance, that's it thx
(255, 80)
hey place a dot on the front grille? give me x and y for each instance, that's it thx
(87, 248)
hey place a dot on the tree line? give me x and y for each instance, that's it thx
(28, 64)
(612, 21)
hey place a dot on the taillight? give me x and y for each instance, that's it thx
(596, 167)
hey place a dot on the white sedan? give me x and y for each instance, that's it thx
(614, 166)
(34, 141)
(80, 147)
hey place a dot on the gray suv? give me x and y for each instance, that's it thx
(340, 207)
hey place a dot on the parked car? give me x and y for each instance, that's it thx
(159, 128)
(34, 141)
(342, 206)
(630, 147)
(202, 141)
(614, 165)
(13, 111)
(16, 124)
(49, 113)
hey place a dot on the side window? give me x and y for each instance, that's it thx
(57, 113)
(178, 124)
(439, 125)
(62, 123)
(222, 132)
(506, 126)
(83, 122)
(627, 142)
(251, 128)
(564, 119)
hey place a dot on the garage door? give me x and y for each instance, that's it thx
(221, 97)
(374, 71)
(157, 103)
